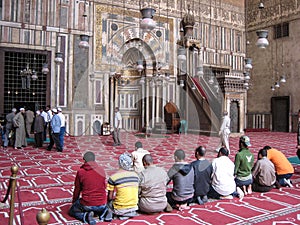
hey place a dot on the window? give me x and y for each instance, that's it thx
(281, 30)
(98, 91)
(20, 90)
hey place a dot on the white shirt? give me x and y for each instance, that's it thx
(118, 119)
(62, 119)
(45, 116)
(138, 159)
(49, 116)
(222, 176)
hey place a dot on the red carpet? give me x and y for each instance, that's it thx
(45, 180)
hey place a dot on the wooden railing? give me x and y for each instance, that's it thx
(259, 121)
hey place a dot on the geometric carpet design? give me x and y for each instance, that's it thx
(45, 180)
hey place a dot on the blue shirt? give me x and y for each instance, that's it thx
(55, 123)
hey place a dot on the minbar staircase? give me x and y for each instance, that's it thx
(207, 101)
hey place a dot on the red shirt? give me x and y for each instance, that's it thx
(90, 181)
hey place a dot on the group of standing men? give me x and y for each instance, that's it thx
(19, 124)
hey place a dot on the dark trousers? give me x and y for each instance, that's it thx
(45, 131)
(116, 136)
(54, 139)
(61, 136)
(260, 188)
(281, 178)
(39, 139)
(80, 211)
(174, 202)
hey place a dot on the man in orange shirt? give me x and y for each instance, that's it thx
(284, 169)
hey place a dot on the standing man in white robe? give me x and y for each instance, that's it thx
(224, 132)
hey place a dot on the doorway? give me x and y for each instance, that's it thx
(280, 113)
(234, 116)
(21, 89)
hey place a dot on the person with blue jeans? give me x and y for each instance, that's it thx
(54, 137)
(62, 127)
(90, 182)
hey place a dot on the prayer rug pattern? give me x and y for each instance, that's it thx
(45, 180)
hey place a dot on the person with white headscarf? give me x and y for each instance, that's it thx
(19, 124)
(123, 189)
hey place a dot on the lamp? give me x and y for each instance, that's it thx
(261, 5)
(84, 41)
(181, 83)
(26, 75)
(181, 54)
(147, 23)
(247, 76)
(58, 55)
(282, 79)
(277, 85)
(58, 58)
(167, 76)
(262, 41)
(45, 69)
(142, 80)
(28, 72)
(139, 65)
(200, 71)
(272, 88)
(248, 63)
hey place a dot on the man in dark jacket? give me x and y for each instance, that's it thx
(202, 179)
(182, 175)
(90, 182)
(39, 124)
(9, 127)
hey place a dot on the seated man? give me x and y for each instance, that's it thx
(243, 164)
(137, 156)
(223, 184)
(263, 173)
(284, 169)
(182, 175)
(123, 190)
(202, 178)
(152, 187)
(90, 182)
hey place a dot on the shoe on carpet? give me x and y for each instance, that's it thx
(288, 182)
(90, 218)
(199, 200)
(205, 198)
(226, 197)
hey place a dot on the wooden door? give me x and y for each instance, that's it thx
(234, 117)
(280, 113)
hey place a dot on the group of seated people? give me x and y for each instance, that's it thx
(141, 186)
